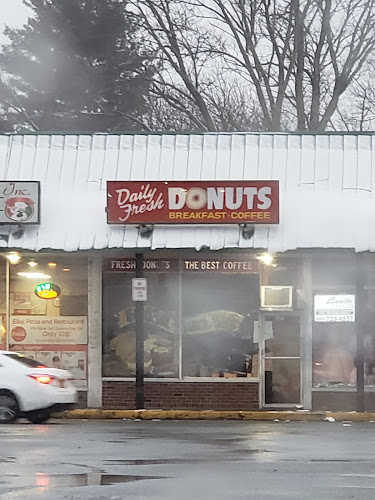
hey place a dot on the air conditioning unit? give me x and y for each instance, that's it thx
(276, 297)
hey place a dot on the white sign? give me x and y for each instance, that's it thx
(267, 331)
(70, 330)
(139, 289)
(334, 308)
(19, 202)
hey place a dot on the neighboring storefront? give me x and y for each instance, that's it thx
(47, 310)
(261, 291)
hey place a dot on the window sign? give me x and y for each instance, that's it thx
(334, 308)
(229, 265)
(47, 291)
(19, 202)
(55, 341)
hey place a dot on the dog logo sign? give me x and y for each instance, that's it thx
(19, 209)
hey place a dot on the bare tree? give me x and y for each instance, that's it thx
(183, 53)
(292, 59)
(227, 103)
(357, 112)
(232, 106)
(192, 90)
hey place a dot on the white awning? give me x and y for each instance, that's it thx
(326, 187)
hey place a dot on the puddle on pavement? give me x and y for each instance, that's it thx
(47, 481)
(95, 479)
(339, 460)
(178, 461)
(8, 460)
(155, 461)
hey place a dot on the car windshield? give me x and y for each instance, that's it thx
(25, 361)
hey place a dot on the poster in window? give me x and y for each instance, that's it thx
(27, 303)
(334, 308)
(75, 363)
(20, 302)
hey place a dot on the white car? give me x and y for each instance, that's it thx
(31, 390)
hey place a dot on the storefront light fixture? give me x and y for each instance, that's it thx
(32, 263)
(66, 269)
(52, 264)
(13, 257)
(266, 259)
(34, 276)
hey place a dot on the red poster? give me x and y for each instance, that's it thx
(193, 202)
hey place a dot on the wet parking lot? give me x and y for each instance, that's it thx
(178, 459)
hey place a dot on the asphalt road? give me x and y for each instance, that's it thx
(187, 460)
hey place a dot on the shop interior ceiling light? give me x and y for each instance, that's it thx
(266, 258)
(32, 263)
(34, 275)
(66, 269)
(13, 258)
(52, 264)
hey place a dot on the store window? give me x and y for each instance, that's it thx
(199, 318)
(161, 356)
(219, 312)
(48, 311)
(334, 322)
(334, 348)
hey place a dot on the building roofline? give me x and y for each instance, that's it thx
(175, 133)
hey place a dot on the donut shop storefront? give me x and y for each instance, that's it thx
(215, 323)
(203, 321)
(251, 303)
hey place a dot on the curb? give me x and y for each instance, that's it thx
(286, 416)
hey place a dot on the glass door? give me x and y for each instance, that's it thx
(281, 363)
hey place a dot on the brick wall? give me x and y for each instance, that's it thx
(341, 401)
(82, 399)
(184, 395)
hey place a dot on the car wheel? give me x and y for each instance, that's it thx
(38, 416)
(8, 409)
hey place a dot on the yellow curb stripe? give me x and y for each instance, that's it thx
(294, 416)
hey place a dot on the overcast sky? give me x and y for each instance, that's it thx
(13, 13)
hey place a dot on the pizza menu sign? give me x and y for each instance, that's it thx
(193, 202)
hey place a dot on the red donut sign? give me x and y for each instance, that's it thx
(193, 202)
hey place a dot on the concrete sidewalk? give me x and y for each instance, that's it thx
(299, 415)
